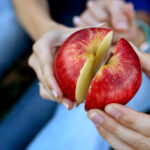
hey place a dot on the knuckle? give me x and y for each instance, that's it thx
(36, 47)
(113, 128)
(127, 121)
(142, 145)
(84, 16)
(102, 133)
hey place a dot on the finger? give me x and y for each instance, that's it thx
(67, 103)
(115, 142)
(43, 51)
(44, 94)
(130, 137)
(129, 35)
(78, 22)
(33, 62)
(130, 118)
(129, 11)
(98, 12)
(118, 19)
(88, 18)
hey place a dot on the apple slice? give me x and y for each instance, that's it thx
(99, 52)
(84, 80)
(103, 51)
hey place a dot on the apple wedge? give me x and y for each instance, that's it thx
(117, 80)
(85, 68)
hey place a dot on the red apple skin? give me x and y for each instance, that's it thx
(72, 56)
(118, 81)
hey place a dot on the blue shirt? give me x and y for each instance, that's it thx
(141, 4)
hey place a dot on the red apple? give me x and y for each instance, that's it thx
(85, 69)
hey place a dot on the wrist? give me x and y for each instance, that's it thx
(53, 26)
(45, 27)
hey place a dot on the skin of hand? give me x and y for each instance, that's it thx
(119, 15)
(122, 127)
(41, 60)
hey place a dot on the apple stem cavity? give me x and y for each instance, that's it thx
(107, 60)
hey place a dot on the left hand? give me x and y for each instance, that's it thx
(122, 127)
(119, 15)
(116, 13)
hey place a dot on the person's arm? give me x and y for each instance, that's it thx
(48, 35)
(34, 15)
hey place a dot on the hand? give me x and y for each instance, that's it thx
(122, 127)
(119, 15)
(41, 60)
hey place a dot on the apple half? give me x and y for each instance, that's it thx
(86, 68)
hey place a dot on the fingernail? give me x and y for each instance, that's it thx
(96, 118)
(112, 111)
(76, 19)
(90, 3)
(65, 104)
(122, 25)
(102, 25)
(54, 93)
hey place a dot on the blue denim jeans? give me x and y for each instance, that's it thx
(25, 120)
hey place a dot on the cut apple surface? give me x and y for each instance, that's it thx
(85, 69)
